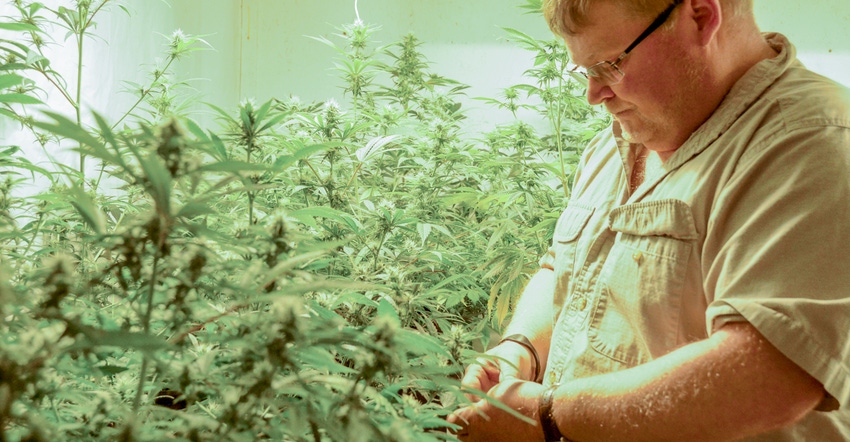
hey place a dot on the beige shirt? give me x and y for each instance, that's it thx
(748, 220)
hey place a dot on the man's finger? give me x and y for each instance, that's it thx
(458, 417)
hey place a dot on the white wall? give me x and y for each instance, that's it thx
(463, 39)
(465, 42)
(820, 29)
(261, 49)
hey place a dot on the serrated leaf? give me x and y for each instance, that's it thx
(116, 338)
(194, 209)
(233, 166)
(387, 310)
(88, 210)
(422, 343)
(66, 128)
(307, 215)
(9, 80)
(159, 182)
(303, 152)
(374, 147)
(22, 27)
(111, 370)
(19, 99)
(424, 230)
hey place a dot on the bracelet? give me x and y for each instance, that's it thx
(523, 341)
(551, 433)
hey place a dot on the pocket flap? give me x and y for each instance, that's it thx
(572, 220)
(670, 217)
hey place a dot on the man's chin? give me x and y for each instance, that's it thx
(628, 133)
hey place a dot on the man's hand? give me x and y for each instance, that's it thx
(507, 360)
(484, 421)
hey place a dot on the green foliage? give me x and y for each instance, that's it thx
(304, 271)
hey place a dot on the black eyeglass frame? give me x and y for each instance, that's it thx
(612, 78)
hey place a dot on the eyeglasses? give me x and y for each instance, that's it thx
(609, 72)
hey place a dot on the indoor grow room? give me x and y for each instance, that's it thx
(279, 219)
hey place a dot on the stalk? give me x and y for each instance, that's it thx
(144, 94)
(137, 401)
(35, 233)
(251, 194)
(58, 87)
(378, 252)
(146, 320)
(558, 122)
(80, 39)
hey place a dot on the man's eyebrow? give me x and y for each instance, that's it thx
(593, 57)
(575, 60)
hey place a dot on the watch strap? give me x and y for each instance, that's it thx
(551, 432)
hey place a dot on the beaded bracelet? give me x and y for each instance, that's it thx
(523, 341)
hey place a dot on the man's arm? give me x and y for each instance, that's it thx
(532, 318)
(732, 385)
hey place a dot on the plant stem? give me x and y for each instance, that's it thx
(137, 401)
(55, 410)
(378, 252)
(250, 208)
(146, 320)
(251, 194)
(59, 87)
(80, 38)
(81, 35)
(30, 242)
(557, 123)
(145, 93)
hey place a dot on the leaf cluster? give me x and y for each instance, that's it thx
(302, 271)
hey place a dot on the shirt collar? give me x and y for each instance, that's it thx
(743, 94)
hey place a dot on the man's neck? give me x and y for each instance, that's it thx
(732, 58)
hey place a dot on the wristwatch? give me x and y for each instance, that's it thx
(551, 432)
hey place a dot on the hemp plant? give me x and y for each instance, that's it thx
(182, 313)
(357, 64)
(302, 271)
(78, 22)
(158, 93)
(37, 21)
(535, 164)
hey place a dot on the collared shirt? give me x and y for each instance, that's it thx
(749, 220)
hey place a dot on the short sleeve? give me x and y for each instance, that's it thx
(547, 261)
(779, 250)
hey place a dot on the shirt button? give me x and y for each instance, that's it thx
(582, 304)
(553, 377)
(637, 256)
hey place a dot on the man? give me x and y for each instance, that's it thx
(699, 274)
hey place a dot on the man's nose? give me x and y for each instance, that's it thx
(598, 91)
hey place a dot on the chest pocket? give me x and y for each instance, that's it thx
(637, 308)
(564, 242)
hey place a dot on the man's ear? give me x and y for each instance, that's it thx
(707, 16)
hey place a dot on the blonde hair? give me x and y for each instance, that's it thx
(566, 17)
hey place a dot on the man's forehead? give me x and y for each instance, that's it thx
(608, 31)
